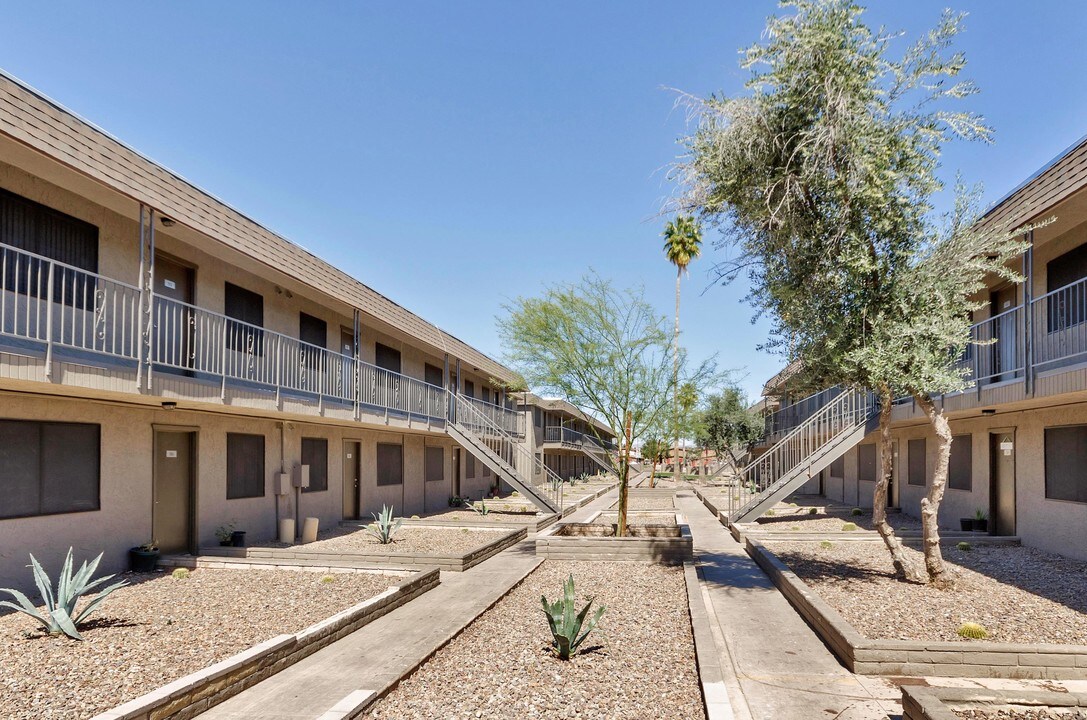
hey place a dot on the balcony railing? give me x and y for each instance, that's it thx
(509, 421)
(567, 436)
(48, 303)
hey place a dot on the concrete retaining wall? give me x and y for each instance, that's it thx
(193, 694)
(930, 703)
(915, 657)
(667, 550)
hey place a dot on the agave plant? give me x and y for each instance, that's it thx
(566, 625)
(482, 508)
(384, 526)
(59, 615)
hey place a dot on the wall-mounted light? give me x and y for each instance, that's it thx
(281, 291)
(169, 405)
(988, 411)
(167, 221)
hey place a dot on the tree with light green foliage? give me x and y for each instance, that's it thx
(604, 350)
(823, 177)
(654, 450)
(727, 426)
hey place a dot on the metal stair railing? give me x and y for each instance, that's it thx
(511, 452)
(799, 448)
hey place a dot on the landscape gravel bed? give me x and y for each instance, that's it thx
(638, 664)
(454, 515)
(1019, 594)
(1023, 714)
(637, 518)
(159, 629)
(647, 503)
(408, 539)
(785, 519)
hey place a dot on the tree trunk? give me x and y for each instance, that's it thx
(624, 473)
(675, 380)
(930, 505)
(904, 569)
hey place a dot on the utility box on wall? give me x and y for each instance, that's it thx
(301, 476)
(282, 484)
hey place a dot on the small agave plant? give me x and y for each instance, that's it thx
(482, 508)
(59, 615)
(384, 526)
(566, 625)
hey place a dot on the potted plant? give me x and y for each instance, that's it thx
(966, 524)
(237, 538)
(224, 533)
(143, 558)
(981, 521)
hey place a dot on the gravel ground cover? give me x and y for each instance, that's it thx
(785, 518)
(1023, 714)
(637, 518)
(1019, 594)
(408, 539)
(159, 629)
(639, 662)
(647, 503)
(454, 515)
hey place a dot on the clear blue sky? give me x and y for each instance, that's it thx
(433, 148)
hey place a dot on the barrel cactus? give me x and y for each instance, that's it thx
(849, 527)
(965, 546)
(972, 631)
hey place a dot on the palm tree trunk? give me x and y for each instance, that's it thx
(675, 381)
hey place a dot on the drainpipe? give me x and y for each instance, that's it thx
(1028, 316)
(148, 330)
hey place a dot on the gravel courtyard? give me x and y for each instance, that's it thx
(639, 662)
(1024, 714)
(408, 539)
(159, 629)
(1020, 594)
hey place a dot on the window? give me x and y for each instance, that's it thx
(837, 468)
(312, 330)
(961, 468)
(244, 466)
(433, 375)
(915, 462)
(434, 469)
(1066, 463)
(537, 417)
(539, 463)
(387, 357)
(1069, 306)
(35, 228)
(390, 464)
(315, 454)
(469, 466)
(486, 469)
(245, 307)
(469, 388)
(48, 468)
(866, 463)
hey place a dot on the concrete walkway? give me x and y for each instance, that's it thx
(775, 667)
(334, 681)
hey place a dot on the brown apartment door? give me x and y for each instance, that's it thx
(1002, 302)
(347, 341)
(1002, 483)
(172, 512)
(351, 474)
(175, 337)
(456, 472)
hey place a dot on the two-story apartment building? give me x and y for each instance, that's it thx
(1019, 453)
(168, 366)
(565, 440)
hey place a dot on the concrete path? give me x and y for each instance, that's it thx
(775, 667)
(335, 680)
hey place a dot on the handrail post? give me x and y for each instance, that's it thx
(49, 323)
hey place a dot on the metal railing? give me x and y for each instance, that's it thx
(817, 434)
(788, 417)
(1059, 323)
(509, 420)
(467, 416)
(996, 351)
(48, 302)
(569, 436)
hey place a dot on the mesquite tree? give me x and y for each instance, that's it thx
(604, 350)
(823, 177)
(728, 426)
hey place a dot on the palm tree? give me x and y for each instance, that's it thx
(682, 244)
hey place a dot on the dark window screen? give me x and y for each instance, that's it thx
(48, 468)
(312, 330)
(244, 466)
(469, 389)
(390, 464)
(1066, 463)
(435, 464)
(866, 463)
(387, 357)
(433, 375)
(915, 462)
(315, 454)
(961, 467)
(470, 466)
(837, 468)
(247, 307)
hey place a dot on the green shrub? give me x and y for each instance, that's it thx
(826, 544)
(770, 513)
(414, 517)
(180, 574)
(795, 527)
(813, 511)
(972, 631)
(327, 579)
(384, 526)
(566, 624)
(965, 546)
(59, 615)
(849, 527)
(482, 508)
(856, 512)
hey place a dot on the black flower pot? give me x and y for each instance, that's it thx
(967, 524)
(981, 525)
(237, 538)
(140, 560)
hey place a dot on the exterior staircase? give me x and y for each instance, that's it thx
(802, 452)
(503, 454)
(599, 454)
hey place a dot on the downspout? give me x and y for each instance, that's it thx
(1028, 316)
(143, 302)
(148, 329)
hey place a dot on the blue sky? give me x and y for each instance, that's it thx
(430, 148)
